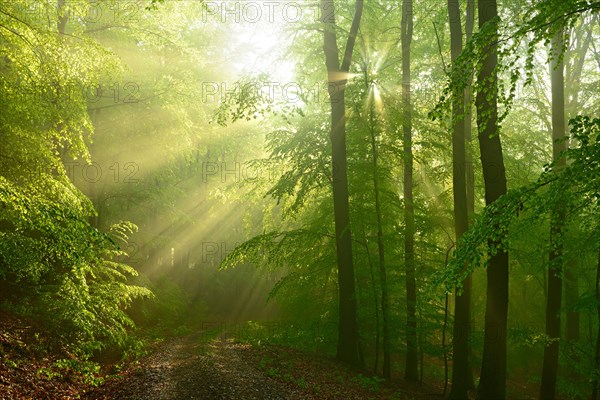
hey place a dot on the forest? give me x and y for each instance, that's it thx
(300, 199)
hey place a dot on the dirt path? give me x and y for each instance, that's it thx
(192, 368)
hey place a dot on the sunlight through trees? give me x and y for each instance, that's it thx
(386, 184)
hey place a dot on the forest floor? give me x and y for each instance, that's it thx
(195, 366)
(33, 366)
(221, 369)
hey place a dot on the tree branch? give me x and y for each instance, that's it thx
(352, 35)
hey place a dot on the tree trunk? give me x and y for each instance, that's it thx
(595, 381)
(348, 341)
(375, 301)
(63, 17)
(411, 372)
(467, 284)
(571, 296)
(470, 22)
(380, 245)
(573, 74)
(554, 298)
(492, 384)
(461, 373)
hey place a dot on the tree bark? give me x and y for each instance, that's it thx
(461, 372)
(492, 384)
(467, 284)
(573, 72)
(571, 296)
(375, 301)
(411, 372)
(554, 297)
(380, 245)
(469, 23)
(596, 382)
(63, 17)
(348, 340)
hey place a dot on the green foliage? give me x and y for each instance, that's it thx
(517, 47)
(9, 363)
(282, 369)
(64, 269)
(168, 310)
(253, 97)
(575, 188)
(45, 88)
(135, 348)
(54, 265)
(371, 383)
(309, 336)
(88, 370)
(303, 154)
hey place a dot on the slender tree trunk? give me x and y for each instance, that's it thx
(571, 296)
(387, 372)
(421, 350)
(596, 381)
(469, 23)
(467, 284)
(444, 326)
(492, 384)
(61, 25)
(380, 246)
(348, 341)
(462, 306)
(554, 298)
(411, 372)
(375, 302)
(573, 74)
(63, 17)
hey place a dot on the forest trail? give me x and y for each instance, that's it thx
(208, 368)
(196, 368)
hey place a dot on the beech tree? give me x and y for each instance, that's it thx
(462, 379)
(411, 372)
(337, 78)
(555, 262)
(492, 383)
